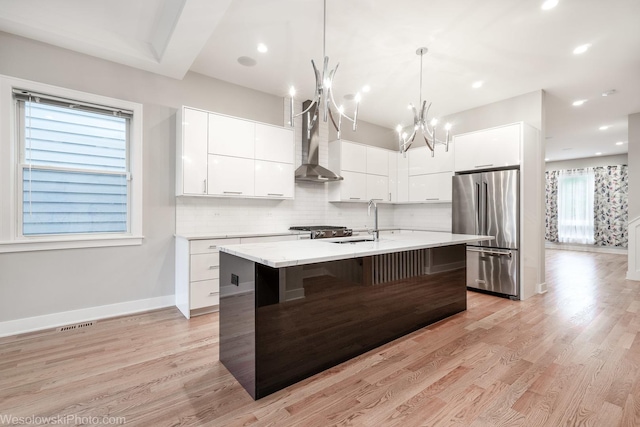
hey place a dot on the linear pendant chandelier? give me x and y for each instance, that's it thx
(323, 95)
(420, 122)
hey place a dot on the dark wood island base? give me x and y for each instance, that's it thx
(277, 328)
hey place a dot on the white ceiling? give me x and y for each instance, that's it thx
(513, 46)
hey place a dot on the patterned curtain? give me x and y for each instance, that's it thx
(551, 199)
(611, 205)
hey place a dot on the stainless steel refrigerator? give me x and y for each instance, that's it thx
(487, 203)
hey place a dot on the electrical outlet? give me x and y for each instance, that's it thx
(235, 280)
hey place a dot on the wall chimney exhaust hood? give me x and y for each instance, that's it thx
(310, 170)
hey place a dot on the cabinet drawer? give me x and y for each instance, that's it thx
(204, 266)
(204, 294)
(210, 245)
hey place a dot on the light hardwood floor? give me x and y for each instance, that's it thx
(569, 357)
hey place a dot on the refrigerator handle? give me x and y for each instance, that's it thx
(478, 224)
(485, 228)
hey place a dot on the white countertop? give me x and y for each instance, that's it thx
(300, 252)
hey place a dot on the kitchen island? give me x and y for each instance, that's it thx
(289, 310)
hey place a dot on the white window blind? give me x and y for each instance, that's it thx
(74, 166)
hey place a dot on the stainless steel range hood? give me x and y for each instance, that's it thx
(310, 170)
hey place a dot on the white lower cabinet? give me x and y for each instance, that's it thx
(231, 176)
(273, 179)
(433, 187)
(197, 272)
(197, 281)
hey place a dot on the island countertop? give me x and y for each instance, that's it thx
(301, 252)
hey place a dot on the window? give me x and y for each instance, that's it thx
(77, 168)
(576, 191)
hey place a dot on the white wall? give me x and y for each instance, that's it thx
(367, 133)
(588, 162)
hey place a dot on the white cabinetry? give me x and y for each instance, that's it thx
(403, 178)
(229, 136)
(430, 177)
(365, 171)
(197, 273)
(192, 153)
(432, 187)
(231, 176)
(488, 149)
(273, 179)
(225, 156)
(197, 285)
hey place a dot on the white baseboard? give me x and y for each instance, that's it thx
(633, 275)
(542, 287)
(54, 320)
(586, 248)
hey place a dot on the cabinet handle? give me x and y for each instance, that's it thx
(275, 194)
(483, 166)
(434, 198)
(205, 186)
(214, 267)
(354, 198)
(232, 192)
(212, 294)
(212, 247)
(389, 196)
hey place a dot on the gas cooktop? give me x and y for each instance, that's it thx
(324, 231)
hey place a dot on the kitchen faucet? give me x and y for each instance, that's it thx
(375, 231)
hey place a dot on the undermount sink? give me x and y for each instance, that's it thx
(352, 241)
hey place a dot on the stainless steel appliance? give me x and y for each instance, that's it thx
(324, 231)
(487, 203)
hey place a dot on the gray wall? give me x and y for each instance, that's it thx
(599, 161)
(634, 166)
(526, 108)
(38, 283)
(367, 133)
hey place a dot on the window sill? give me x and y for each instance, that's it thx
(68, 243)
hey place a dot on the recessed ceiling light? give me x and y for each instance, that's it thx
(598, 153)
(246, 61)
(366, 88)
(549, 4)
(262, 48)
(609, 92)
(546, 160)
(604, 127)
(579, 102)
(477, 84)
(581, 49)
(619, 143)
(349, 97)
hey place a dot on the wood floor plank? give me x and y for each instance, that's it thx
(567, 357)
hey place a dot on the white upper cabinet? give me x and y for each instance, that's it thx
(353, 157)
(392, 160)
(273, 179)
(274, 144)
(353, 188)
(377, 188)
(421, 160)
(433, 187)
(231, 176)
(403, 177)
(224, 156)
(192, 152)
(377, 161)
(229, 136)
(486, 149)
